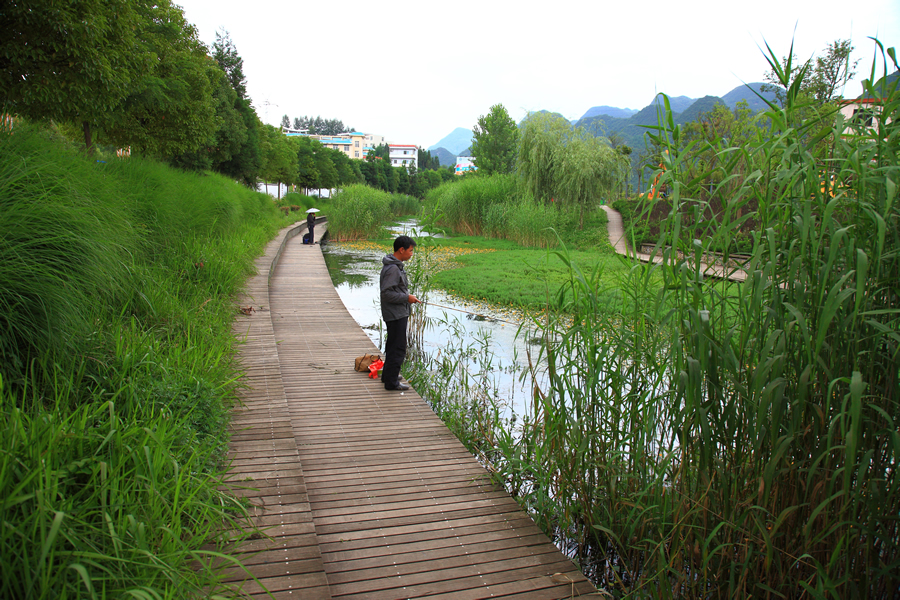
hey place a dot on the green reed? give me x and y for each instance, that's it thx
(495, 207)
(360, 212)
(735, 439)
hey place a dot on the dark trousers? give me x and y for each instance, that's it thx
(394, 352)
(312, 233)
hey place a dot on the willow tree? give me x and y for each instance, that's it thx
(565, 165)
(588, 169)
(541, 141)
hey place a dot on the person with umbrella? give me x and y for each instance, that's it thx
(311, 224)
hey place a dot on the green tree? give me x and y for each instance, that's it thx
(541, 142)
(821, 78)
(343, 164)
(244, 164)
(617, 143)
(403, 181)
(69, 61)
(285, 121)
(230, 61)
(832, 71)
(494, 140)
(328, 175)
(588, 169)
(391, 176)
(372, 174)
(279, 157)
(571, 167)
(171, 108)
(307, 171)
(426, 161)
(380, 152)
(230, 133)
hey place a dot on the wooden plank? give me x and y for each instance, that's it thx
(401, 508)
(265, 466)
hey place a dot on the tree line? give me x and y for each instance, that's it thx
(306, 163)
(317, 125)
(134, 74)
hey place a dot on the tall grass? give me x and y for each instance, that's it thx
(495, 207)
(359, 212)
(117, 294)
(468, 204)
(723, 439)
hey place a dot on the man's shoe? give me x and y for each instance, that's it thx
(400, 386)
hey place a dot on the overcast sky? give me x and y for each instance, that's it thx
(415, 71)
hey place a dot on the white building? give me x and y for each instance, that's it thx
(350, 143)
(404, 155)
(373, 140)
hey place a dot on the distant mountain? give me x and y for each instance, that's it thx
(678, 103)
(745, 92)
(458, 139)
(882, 87)
(446, 157)
(609, 111)
(703, 105)
(632, 124)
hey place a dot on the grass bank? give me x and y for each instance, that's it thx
(503, 273)
(117, 285)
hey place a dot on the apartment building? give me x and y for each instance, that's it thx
(356, 144)
(404, 155)
(350, 143)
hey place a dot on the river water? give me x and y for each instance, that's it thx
(355, 269)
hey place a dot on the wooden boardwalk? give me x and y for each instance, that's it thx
(364, 492)
(616, 230)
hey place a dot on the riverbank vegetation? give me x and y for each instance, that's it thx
(117, 285)
(554, 196)
(360, 212)
(727, 439)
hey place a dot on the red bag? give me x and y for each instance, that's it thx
(373, 368)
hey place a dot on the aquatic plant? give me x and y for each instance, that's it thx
(737, 438)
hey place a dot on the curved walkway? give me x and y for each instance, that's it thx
(616, 230)
(363, 492)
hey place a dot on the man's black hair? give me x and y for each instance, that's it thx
(403, 241)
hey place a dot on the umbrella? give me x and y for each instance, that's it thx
(313, 210)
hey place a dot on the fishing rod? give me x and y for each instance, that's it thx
(468, 312)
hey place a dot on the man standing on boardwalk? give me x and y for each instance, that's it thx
(395, 301)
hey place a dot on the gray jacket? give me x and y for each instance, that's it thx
(394, 289)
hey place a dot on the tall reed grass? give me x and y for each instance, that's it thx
(736, 439)
(117, 293)
(360, 212)
(495, 207)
